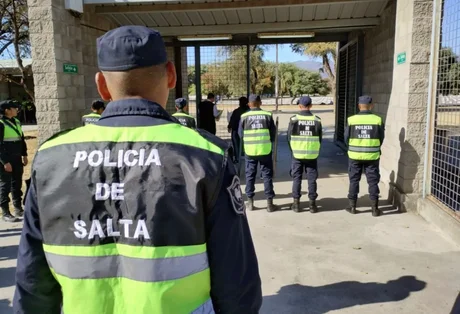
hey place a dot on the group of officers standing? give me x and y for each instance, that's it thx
(149, 217)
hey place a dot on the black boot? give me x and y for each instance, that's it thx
(270, 206)
(296, 206)
(375, 208)
(351, 207)
(313, 207)
(18, 212)
(7, 215)
(250, 204)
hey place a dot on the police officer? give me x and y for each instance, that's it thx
(133, 214)
(258, 131)
(181, 114)
(13, 158)
(97, 108)
(364, 136)
(304, 138)
(233, 126)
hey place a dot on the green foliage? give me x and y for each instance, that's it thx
(449, 72)
(228, 77)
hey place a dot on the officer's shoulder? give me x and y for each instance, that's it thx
(58, 137)
(317, 117)
(212, 139)
(294, 118)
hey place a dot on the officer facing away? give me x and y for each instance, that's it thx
(304, 138)
(13, 158)
(181, 114)
(258, 131)
(364, 136)
(135, 213)
(233, 126)
(97, 108)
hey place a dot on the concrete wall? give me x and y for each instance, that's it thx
(400, 92)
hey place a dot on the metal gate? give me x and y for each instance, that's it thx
(347, 87)
(445, 157)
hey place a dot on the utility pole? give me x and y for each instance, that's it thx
(276, 79)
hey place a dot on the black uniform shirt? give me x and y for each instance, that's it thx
(10, 150)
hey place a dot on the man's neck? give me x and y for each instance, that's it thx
(8, 117)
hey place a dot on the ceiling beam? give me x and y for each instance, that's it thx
(138, 7)
(267, 27)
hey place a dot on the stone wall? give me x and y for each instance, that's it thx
(400, 92)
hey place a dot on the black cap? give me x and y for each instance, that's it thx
(365, 100)
(98, 104)
(8, 104)
(130, 47)
(181, 103)
(254, 98)
(305, 101)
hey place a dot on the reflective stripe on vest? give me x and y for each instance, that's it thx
(10, 135)
(364, 139)
(306, 146)
(256, 136)
(130, 278)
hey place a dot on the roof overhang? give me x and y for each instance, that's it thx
(200, 17)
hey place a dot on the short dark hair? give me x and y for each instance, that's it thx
(243, 101)
(97, 104)
(211, 95)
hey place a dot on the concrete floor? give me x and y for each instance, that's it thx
(329, 262)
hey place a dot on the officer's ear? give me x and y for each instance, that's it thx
(102, 88)
(171, 74)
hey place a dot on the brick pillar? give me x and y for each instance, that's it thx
(55, 37)
(404, 147)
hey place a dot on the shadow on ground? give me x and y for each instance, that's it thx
(10, 232)
(5, 306)
(297, 298)
(8, 252)
(7, 275)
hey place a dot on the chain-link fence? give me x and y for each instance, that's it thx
(445, 173)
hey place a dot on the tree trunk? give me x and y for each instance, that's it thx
(17, 52)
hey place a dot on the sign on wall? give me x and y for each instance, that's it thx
(401, 58)
(70, 68)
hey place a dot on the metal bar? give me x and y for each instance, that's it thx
(248, 70)
(244, 39)
(431, 101)
(359, 68)
(178, 65)
(197, 80)
(275, 147)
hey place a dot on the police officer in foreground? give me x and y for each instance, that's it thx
(304, 138)
(364, 136)
(13, 158)
(97, 108)
(258, 131)
(135, 213)
(181, 114)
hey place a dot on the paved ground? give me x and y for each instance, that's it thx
(329, 262)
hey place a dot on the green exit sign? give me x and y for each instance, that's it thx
(401, 58)
(70, 68)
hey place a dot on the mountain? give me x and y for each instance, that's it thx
(312, 66)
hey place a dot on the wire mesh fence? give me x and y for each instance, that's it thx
(445, 173)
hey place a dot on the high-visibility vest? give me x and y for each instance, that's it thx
(364, 137)
(185, 119)
(304, 141)
(139, 247)
(256, 132)
(90, 118)
(12, 131)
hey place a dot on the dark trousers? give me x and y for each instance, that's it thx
(372, 170)
(266, 167)
(310, 166)
(236, 141)
(11, 182)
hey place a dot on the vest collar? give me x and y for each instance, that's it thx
(135, 107)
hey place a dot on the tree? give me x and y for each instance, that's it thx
(327, 52)
(309, 83)
(448, 72)
(14, 35)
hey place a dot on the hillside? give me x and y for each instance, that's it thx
(312, 66)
